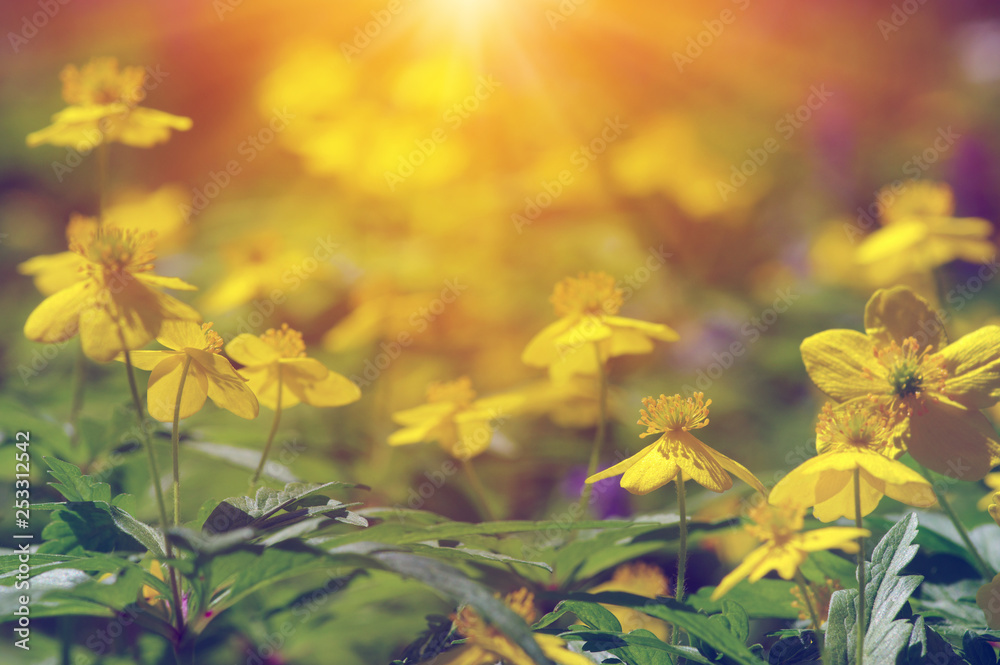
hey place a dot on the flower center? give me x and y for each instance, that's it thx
(852, 427)
(114, 251)
(776, 524)
(909, 372)
(286, 341)
(590, 293)
(101, 82)
(459, 392)
(674, 413)
(213, 341)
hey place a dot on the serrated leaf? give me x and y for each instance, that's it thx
(74, 485)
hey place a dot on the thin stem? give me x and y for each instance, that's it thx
(155, 473)
(79, 379)
(595, 450)
(859, 523)
(270, 436)
(175, 441)
(984, 568)
(102, 181)
(478, 490)
(811, 608)
(682, 549)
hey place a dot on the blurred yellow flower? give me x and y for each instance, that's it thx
(920, 233)
(992, 481)
(933, 390)
(103, 108)
(192, 355)
(819, 596)
(677, 450)
(988, 599)
(486, 645)
(785, 546)
(113, 303)
(454, 418)
(279, 372)
(852, 438)
(641, 579)
(588, 306)
(156, 212)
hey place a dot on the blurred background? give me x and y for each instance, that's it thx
(406, 180)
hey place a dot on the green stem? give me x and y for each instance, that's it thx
(155, 473)
(859, 523)
(595, 450)
(79, 379)
(175, 441)
(102, 182)
(984, 568)
(478, 490)
(811, 608)
(682, 551)
(270, 436)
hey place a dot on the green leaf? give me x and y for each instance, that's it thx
(640, 647)
(78, 526)
(452, 582)
(260, 512)
(697, 625)
(739, 621)
(761, 599)
(978, 650)
(74, 485)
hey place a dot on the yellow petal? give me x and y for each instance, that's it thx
(654, 330)
(835, 359)
(892, 315)
(304, 369)
(145, 127)
(263, 381)
(625, 341)
(835, 495)
(418, 414)
(165, 282)
(146, 360)
(161, 394)
(179, 335)
(749, 565)
(541, 350)
(900, 481)
(226, 388)
(474, 437)
(53, 272)
(583, 333)
(334, 390)
(56, 319)
(696, 460)
(831, 537)
(555, 648)
(959, 443)
(738, 470)
(890, 242)
(622, 466)
(973, 365)
(249, 349)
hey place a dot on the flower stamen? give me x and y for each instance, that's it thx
(673, 414)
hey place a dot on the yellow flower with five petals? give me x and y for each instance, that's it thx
(588, 309)
(281, 375)
(192, 355)
(677, 450)
(933, 390)
(784, 545)
(103, 108)
(114, 303)
(852, 438)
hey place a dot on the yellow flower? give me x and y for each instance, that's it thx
(103, 108)
(588, 306)
(852, 438)
(992, 481)
(454, 418)
(486, 645)
(919, 233)
(677, 450)
(819, 598)
(785, 546)
(113, 303)
(209, 375)
(152, 212)
(988, 599)
(277, 368)
(933, 390)
(643, 580)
